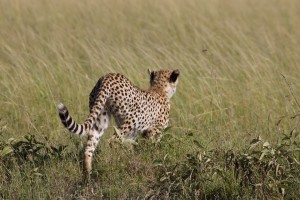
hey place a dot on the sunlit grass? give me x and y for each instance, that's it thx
(231, 55)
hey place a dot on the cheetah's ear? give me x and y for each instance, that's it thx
(152, 75)
(174, 76)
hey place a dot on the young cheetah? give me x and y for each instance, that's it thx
(146, 111)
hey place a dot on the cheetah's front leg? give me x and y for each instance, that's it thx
(151, 132)
(124, 132)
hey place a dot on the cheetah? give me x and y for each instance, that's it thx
(134, 109)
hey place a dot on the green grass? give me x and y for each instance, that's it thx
(239, 64)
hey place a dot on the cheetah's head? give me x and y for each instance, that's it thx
(166, 80)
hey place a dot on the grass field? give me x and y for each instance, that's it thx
(240, 79)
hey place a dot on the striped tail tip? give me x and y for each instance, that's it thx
(68, 122)
(64, 115)
(61, 108)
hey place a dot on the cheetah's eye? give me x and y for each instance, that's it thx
(174, 76)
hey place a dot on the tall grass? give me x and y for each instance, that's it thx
(239, 64)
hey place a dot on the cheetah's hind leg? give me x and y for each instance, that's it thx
(94, 135)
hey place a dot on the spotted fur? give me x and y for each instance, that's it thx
(146, 111)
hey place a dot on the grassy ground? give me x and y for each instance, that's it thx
(239, 64)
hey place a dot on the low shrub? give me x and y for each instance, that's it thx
(262, 170)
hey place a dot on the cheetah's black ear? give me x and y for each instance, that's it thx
(152, 75)
(174, 75)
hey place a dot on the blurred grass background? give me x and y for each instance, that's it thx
(232, 55)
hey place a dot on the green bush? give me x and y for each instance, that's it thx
(260, 171)
(26, 152)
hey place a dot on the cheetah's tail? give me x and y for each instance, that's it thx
(69, 123)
